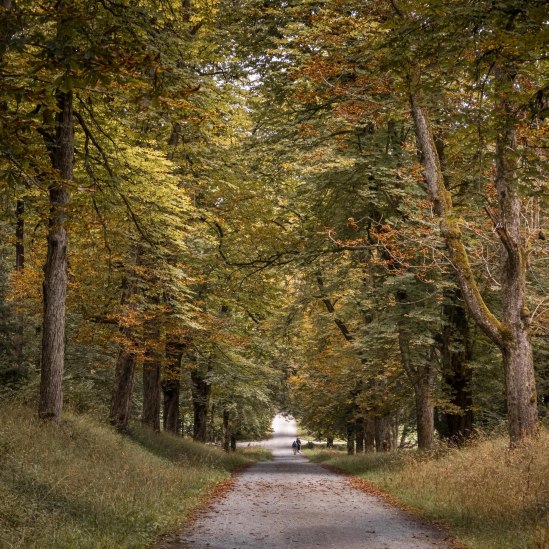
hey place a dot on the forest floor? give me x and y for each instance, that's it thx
(291, 500)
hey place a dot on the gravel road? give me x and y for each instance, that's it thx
(291, 501)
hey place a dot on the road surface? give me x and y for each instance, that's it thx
(292, 502)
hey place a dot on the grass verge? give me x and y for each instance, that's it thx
(82, 485)
(487, 495)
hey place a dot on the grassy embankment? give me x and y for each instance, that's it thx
(82, 485)
(488, 496)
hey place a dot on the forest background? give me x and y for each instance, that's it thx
(216, 209)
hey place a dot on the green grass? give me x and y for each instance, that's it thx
(82, 485)
(488, 496)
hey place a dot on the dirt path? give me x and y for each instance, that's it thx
(291, 501)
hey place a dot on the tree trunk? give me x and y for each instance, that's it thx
(120, 411)
(370, 435)
(233, 443)
(151, 377)
(520, 387)
(212, 435)
(456, 351)
(394, 430)
(171, 387)
(350, 438)
(360, 433)
(517, 353)
(512, 333)
(421, 377)
(424, 409)
(201, 390)
(55, 270)
(226, 431)
(19, 266)
(382, 433)
(151, 395)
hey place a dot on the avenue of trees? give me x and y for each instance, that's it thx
(216, 209)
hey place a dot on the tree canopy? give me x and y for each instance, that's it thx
(330, 208)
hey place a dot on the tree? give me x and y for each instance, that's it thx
(356, 64)
(511, 333)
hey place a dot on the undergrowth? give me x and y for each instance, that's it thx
(490, 497)
(82, 485)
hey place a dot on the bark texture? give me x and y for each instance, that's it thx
(359, 435)
(120, 409)
(350, 438)
(382, 434)
(369, 435)
(422, 379)
(152, 364)
(171, 390)
(516, 349)
(19, 266)
(171, 387)
(456, 352)
(121, 400)
(151, 395)
(201, 390)
(226, 431)
(61, 148)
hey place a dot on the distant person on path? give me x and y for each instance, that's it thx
(294, 447)
(298, 445)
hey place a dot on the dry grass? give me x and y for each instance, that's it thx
(489, 496)
(83, 485)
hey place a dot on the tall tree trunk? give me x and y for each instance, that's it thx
(19, 266)
(226, 430)
(201, 390)
(55, 270)
(511, 334)
(171, 387)
(360, 433)
(456, 352)
(151, 377)
(120, 409)
(424, 408)
(369, 435)
(422, 379)
(151, 395)
(212, 435)
(382, 433)
(350, 438)
(395, 429)
(517, 353)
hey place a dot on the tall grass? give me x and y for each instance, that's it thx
(82, 485)
(490, 497)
